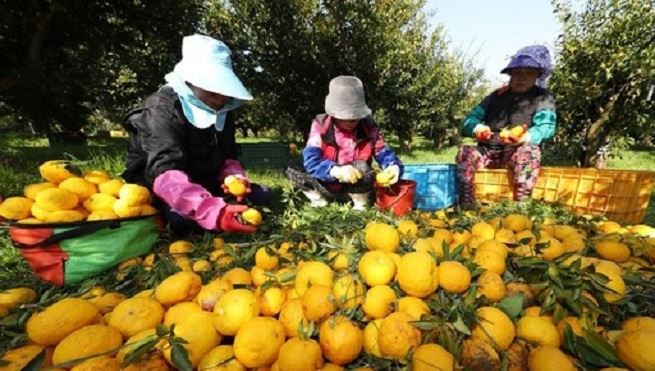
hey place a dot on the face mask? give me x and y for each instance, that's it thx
(198, 113)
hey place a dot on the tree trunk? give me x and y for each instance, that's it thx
(404, 139)
(599, 131)
(33, 57)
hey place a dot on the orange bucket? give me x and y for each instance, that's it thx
(398, 198)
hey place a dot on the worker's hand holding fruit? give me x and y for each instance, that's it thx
(237, 186)
(482, 133)
(388, 176)
(517, 134)
(238, 219)
(346, 174)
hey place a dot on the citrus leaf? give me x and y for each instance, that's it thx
(180, 358)
(601, 346)
(36, 363)
(460, 326)
(504, 362)
(512, 306)
(525, 241)
(448, 339)
(162, 330)
(457, 252)
(553, 274)
(140, 348)
(425, 325)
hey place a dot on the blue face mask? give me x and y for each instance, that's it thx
(196, 111)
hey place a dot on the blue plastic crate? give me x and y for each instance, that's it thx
(436, 185)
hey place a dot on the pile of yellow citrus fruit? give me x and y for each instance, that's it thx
(65, 197)
(361, 305)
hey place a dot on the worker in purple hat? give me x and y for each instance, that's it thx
(510, 125)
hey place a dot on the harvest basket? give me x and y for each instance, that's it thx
(621, 195)
(69, 253)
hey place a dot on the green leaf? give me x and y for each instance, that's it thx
(457, 252)
(287, 277)
(425, 325)
(525, 241)
(448, 339)
(162, 330)
(553, 274)
(504, 362)
(460, 326)
(36, 363)
(140, 349)
(512, 306)
(180, 358)
(601, 346)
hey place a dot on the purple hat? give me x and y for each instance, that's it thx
(534, 56)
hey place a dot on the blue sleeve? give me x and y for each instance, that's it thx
(543, 126)
(386, 157)
(315, 165)
(544, 121)
(474, 118)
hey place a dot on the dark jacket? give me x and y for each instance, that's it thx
(161, 139)
(506, 109)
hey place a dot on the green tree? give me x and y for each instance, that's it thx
(605, 69)
(288, 50)
(66, 59)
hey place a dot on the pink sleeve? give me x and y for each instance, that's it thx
(315, 139)
(231, 167)
(188, 199)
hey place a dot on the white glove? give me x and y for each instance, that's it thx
(346, 174)
(480, 127)
(525, 138)
(482, 132)
(394, 171)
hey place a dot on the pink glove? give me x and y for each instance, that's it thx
(245, 182)
(188, 199)
(228, 221)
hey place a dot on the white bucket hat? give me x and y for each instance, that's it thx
(345, 100)
(206, 63)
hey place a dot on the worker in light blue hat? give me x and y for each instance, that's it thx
(182, 141)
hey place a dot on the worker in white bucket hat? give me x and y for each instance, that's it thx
(182, 141)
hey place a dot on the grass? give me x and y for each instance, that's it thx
(21, 156)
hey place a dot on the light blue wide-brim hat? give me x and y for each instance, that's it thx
(206, 63)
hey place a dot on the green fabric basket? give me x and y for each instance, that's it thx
(72, 252)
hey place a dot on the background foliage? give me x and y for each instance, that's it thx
(289, 50)
(65, 71)
(70, 64)
(605, 71)
(64, 60)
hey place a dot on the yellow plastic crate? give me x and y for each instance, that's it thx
(492, 185)
(621, 195)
